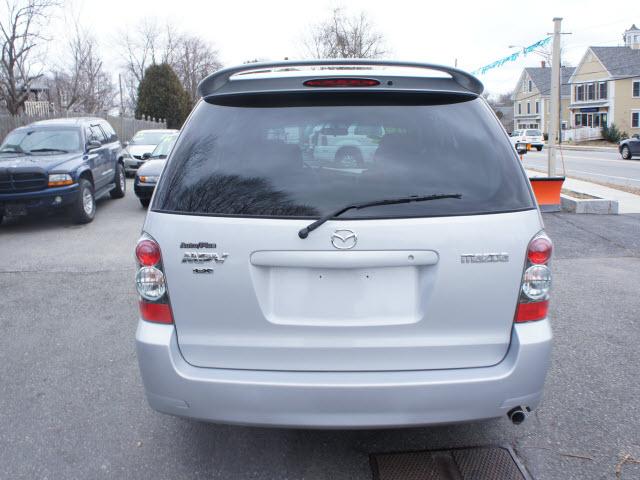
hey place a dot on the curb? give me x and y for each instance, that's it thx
(586, 148)
(595, 206)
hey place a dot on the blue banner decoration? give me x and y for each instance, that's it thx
(511, 58)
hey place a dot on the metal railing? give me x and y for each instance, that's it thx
(581, 134)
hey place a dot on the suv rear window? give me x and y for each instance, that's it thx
(534, 133)
(306, 161)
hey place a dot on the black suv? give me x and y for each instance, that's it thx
(60, 164)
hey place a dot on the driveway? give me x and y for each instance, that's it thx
(72, 405)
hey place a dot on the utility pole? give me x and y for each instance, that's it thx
(121, 107)
(554, 127)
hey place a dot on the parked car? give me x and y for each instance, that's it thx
(60, 164)
(345, 145)
(412, 291)
(148, 174)
(531, 136)
(630, 147)
(142, 143)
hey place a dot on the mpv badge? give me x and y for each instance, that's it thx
(200, 257)
(344, 239)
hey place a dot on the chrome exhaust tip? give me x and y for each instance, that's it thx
(517, 415)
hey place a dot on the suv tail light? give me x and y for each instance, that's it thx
(150, 283)
(533, 302)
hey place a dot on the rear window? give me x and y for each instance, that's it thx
(148, 138)
(306, 161)
(534, 133)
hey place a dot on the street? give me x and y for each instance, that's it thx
(73, 404)
(599, 166)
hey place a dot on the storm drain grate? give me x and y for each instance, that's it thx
(479, 463)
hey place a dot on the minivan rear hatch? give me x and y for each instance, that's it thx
(421, 285)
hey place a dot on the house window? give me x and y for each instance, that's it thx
(635, 119)
(602, 90)
(636, 88)
(530, 85)
(519, 108)
(578, 122)
(537, 107)
(591, 91)
(528, 107)
(579, 93)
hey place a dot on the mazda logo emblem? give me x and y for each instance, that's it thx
(344, 239)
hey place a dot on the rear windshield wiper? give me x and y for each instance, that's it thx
(304, 233)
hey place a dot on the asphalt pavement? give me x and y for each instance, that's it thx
(72, 404)
(604, 166)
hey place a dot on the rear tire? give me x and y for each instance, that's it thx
(121, 183)
(539, 149)
(145, 202)
(626, 153)
(84, 208)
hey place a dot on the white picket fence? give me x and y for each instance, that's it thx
(582, 134)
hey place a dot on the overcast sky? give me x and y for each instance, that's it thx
(475, 33)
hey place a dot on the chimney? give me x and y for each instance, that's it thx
(543, 64)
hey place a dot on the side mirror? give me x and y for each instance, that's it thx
(146, 156)
(93, 144)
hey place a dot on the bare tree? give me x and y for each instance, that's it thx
(345, 36)
(21, 32)
(191, 57)
(82, 84)
(195, 60)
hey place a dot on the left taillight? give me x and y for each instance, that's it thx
(151, 284)
(533, 303)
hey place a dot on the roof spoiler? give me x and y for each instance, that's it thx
(218, 79)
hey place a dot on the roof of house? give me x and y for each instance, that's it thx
(541, 77)
(619, 61)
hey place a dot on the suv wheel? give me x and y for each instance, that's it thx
(145, 202)
(626, 153)
(349, 158)
(539, 149)
(121, 183)
(84, 208)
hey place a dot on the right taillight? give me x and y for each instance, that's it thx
(150, 283)
(533, 302)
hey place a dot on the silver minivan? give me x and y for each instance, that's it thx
(409, 290)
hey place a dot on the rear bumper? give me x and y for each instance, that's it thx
(342, 399)
(132, 164)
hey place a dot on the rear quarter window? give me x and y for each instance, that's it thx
(303, 161)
